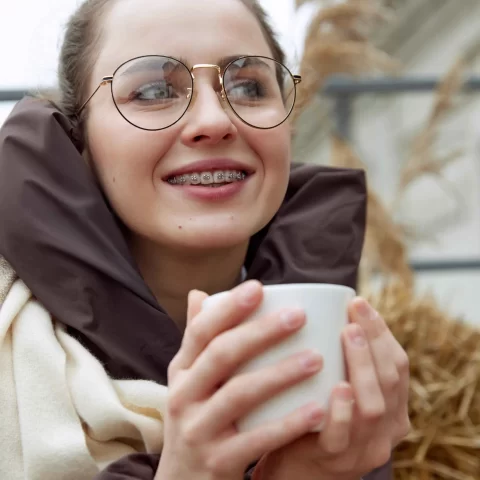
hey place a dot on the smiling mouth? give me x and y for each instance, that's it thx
(212, 179)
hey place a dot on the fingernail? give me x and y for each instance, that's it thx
(248, 293)
(292, 319)
(365, 311)
(311, 361)
(315, 413)
(356, 336)
(344, 393)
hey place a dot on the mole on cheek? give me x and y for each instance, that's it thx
(114, 179)
(180, 227)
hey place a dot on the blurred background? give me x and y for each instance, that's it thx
(392, 87)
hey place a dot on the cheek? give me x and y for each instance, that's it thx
(274, 149)
(124, 158)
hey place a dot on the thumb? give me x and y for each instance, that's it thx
(195, 299)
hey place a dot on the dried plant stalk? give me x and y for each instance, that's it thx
(350, 20)
(423, 160)
(337, 42)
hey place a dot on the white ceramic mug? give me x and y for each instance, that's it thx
(325, 307)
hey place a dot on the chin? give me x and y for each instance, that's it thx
(217, 238)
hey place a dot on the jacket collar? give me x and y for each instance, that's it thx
(64, 241)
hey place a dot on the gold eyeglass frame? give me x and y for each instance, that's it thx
(109, 80)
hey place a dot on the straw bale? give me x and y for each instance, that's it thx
(444, 404)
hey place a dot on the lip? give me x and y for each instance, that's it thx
(209, 165)
(224, 193)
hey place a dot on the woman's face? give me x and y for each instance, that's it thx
(134, 165)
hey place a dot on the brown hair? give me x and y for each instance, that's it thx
(82, 41)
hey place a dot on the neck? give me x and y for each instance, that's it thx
(170, 275)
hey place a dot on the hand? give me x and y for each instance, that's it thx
(205, 401)
(366, 418)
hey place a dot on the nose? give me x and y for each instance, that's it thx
(206, 122)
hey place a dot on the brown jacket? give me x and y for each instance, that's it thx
(62, 238)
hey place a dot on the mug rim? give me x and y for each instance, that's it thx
(313, 286)
(294, 286)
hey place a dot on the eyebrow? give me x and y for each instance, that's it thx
(222, 62)
(146, 65)
(151, 64)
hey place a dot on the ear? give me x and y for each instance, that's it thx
(195, 299)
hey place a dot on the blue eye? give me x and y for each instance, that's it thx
(155, 91)
(247, 90)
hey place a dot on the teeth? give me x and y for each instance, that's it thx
(194, 179)
(208, 177)
(219, 177)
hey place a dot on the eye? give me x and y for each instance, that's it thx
(155, 91)
(246, 89)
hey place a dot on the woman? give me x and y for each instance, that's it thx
(181, 111)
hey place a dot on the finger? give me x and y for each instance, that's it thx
(248, 446)
(403, 367)
(229, 350)
(362, 375)
(383, 348)
(244, 392)
(230, 310)
(195, 299)
(363, 314)
(402, 419)
(335, 436)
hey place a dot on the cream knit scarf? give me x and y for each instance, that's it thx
(61, 416)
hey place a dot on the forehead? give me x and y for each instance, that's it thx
(199, 31)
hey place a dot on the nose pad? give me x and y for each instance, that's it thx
(193, 93)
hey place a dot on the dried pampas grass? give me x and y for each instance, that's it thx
(422, 160)
(338, 42)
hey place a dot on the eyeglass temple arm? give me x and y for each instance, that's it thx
(297, 79)
(104, 81)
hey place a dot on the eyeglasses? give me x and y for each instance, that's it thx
(153, 92)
